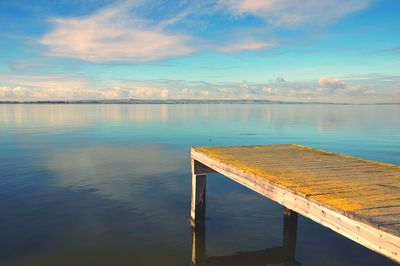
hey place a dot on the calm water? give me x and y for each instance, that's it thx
(110, 184)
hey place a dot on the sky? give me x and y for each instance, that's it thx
(344, 51)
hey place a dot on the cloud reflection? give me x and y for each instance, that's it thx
(117, 171)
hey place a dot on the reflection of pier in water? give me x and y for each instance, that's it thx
(283, 255)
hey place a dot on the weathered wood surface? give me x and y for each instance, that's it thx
(357, 198)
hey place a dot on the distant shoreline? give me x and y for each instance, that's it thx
(187, 101)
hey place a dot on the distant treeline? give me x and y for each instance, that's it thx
(178, 101)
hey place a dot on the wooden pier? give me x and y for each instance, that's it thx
(357, 198)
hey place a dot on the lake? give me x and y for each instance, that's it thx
(111, 184)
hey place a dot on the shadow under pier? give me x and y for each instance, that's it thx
(283, 255)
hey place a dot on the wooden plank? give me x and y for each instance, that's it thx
(235, 163)
(386, 219)
(394, 228)
(352, 202)
(372, 212)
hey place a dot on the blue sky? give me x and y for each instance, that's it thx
(309, 50)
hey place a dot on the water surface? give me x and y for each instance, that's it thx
(110, 184)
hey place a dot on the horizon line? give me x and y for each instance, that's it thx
(184, 101)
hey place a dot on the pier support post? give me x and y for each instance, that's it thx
(290, 232)
(198, 207)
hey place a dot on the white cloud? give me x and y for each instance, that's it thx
(117, 34)
(267, 90)
(331, 83)
(114, 93)
(17, 92)
(71, 87)
(50, 93)
(113, 34)
(205, 93)
(326, 89)
(246, 45)
(164, 94)
(227, 90)
(134, 92)
(293, 13)
(45, 87)
(45, 93)
(280, 79)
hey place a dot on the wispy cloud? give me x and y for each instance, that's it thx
(390, 50)
(118, 34)
(281, 13)
(121, 33)
(114, 34)
(246, 45)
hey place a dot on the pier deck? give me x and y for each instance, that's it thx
(357, 198)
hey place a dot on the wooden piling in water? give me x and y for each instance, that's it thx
(198, 204)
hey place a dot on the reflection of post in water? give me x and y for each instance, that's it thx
(284, 255)
(198, 242)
